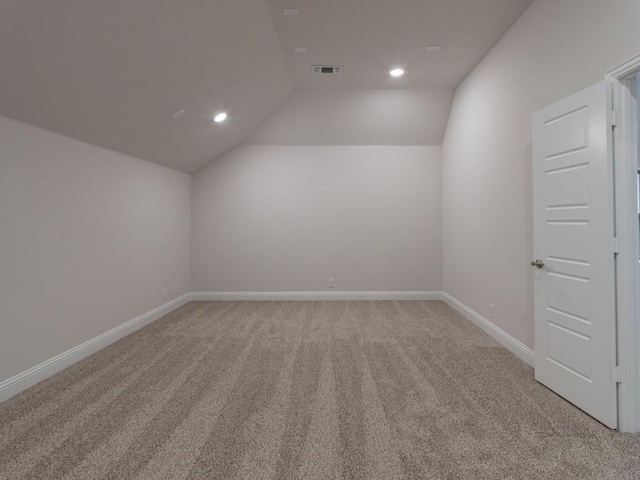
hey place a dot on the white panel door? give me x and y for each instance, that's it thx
(574, 283)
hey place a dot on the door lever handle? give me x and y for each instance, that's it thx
(537, 263)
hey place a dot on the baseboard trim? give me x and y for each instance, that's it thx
(310, 296)
(34, 375)
(515, 346)
(28, 378)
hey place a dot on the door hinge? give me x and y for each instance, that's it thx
(614, 118)
(618, 374)
(615, 245)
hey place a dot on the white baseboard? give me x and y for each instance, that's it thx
(510, 343)
(306, 296)
(30, 377)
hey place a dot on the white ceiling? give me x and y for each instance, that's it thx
(369, 37)
(111, 72)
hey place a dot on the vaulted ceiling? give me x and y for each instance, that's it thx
(112, 72)
(369, 37)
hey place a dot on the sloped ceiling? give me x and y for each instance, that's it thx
(369, 37)
(364, 105)
(112, 72)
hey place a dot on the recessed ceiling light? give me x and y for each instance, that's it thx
(301, 49)
(220, 117)
(290, 12)
(396, 72)
(434, 48)
(177, 114)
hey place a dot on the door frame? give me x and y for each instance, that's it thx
(623, 141)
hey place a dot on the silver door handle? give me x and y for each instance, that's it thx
(538, 263)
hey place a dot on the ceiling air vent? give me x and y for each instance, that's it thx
(327, 69)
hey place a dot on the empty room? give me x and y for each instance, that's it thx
(320, 239)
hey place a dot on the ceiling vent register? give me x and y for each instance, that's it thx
(327, 69)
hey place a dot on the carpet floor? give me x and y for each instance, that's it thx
(305, 390)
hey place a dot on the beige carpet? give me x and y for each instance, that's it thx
(294, 390)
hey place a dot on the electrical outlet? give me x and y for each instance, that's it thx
(332, 282)
(164, 294)
(491, 310)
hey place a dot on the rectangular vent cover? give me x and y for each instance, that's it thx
(327, 69)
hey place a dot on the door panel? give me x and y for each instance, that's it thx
(568, 187)
(566, 133)
(569, 294)
(568, 241)
(573, 230)
(569, 347)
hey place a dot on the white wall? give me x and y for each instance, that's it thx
(88, 238)
(556, 48)
(358, 117)
(285, 218)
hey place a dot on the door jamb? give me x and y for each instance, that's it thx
(624, 140)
